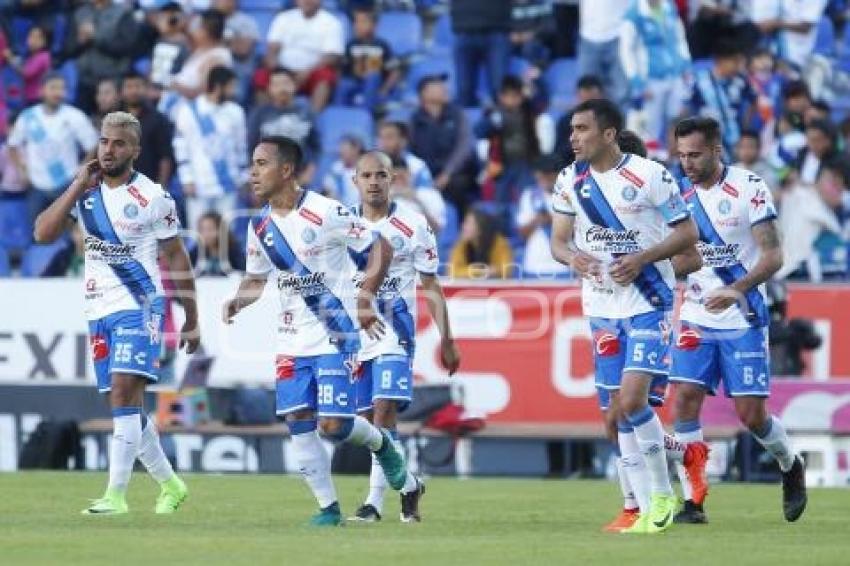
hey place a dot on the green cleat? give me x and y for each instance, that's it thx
(391, 462)
(662, 511)
(112, 503)
(330, 516)
(640, 526)
(172, 495)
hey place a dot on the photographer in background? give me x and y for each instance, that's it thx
(788, 338)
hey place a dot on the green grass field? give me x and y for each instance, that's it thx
(254, 520)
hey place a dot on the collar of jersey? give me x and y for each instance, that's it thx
(720, 181)
(129, 182)
(359, 209)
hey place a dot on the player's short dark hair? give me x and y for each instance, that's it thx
(752, 134)
(823, 106)
(794, 89)
(45, 31)
(283, 71)
(838, 166)
(219, 76)
(726, 48)
(287, 149)
(511, 83)
(213, 21)
(399, 126)
(605, 112)
(52, 76)
(586, 82)
(365, 10)
(708, 127)
(630, 142)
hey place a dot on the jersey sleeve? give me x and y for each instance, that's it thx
(426, 260)
(348, 228)
(561, 201)
(665, 196)
(256, 261)
(760, 207)
(164, 220)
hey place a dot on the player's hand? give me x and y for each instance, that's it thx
(450, 355)
(368, 318)
(720, 299)
(586, 265)
(625, 269)
(230, 309)
(190, 336)
(87, 175)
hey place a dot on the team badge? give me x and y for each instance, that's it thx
(724, 206)
(131, 210)
(397, 242)
(308, 235)
(629, 193)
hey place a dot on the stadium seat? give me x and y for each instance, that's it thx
(473, 115)
(346, 24)
(68, 70)
(264, 21)
(15, 225)
(13, 88)
(46, 260)
(252, 5)
(449, 234)
(5, 270)
(337, 121)
(402, 30)
(702, 65)
(825, 37)
(561, 78)
(443, 39)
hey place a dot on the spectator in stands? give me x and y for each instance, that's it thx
(241, 34)
(370, 70)
(817, 247)
(796, 100)
(285, 116)
(171, 49)
(534, 220)
(107, 99)
(35, 65)
(481, 41)
(531, 27)
(77, 261)
(11, 181)
(4, 109)
(209, 145)
(428, 201)
(599, 47)
(339, 180)
(209, 51)
(102, 39)
(748, 155)
(216, 253)
(394, 139)
(308, 40)
(791, 25)
(724, 93)
(767, 84)
(588, 87)
(46, 143)
(441, 135)
(655, 58)
(513, 143)
(722, 20)
(156, 159)
(481, 252)
(821, 147)
(818, 110)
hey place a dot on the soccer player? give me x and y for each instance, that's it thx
(386, 382)
(724, 319)
(612, 209)
(302, 239)
(127, 221)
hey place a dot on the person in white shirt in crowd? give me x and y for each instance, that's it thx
(338, 183)
(655, 58)
(172, 45)
(241, 34)
(309, 41)
(207, 31)
(599, 44)
(427, 201)
(792, 26)
(209, 146)
(47, 143)
(534, 221)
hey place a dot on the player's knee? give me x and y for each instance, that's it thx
(631, 403)
(335, 429)
(753, 416)
(384, 413)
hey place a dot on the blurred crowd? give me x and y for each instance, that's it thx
(470, 98)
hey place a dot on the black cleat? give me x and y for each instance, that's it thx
(410, 504)
(691, 514)
(366, 513)
(794, 496)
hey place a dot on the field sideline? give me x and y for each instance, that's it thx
(253, 520)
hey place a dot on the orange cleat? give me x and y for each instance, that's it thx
(696, 458)
(624, 520)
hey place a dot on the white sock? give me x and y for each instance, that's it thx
(650, 438)
(377, 485)
(126, 437)
(675, 448)
(629, 499)
(686, 432)
(635, 468)
(152, 456)
(314, 463)
(774, 439)
(364, 433)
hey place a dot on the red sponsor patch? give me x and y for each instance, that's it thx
(284, 367)
(311, 216)
(730, 190)
(689, 194)
(636, 181)
(134, 192)
(607, 344)
(689, 339)
(402, 227)
(99, 347)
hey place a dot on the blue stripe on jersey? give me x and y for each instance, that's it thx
(402, 321)
(207, 127)
(757, 315)
(132, 273)
(649, 282)
(326, 306)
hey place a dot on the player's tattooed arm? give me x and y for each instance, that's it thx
(53, 221)
(766, 235)
(249, 291)
(564, 249)
(683, 235)
(180, 272)
(436, 299)
(687, 262)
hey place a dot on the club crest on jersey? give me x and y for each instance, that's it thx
(629, 193)
(724, 206)
(397, 242)
(308, 235)
(131, 210)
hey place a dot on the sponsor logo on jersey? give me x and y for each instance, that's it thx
(284, 367)
(629, 193)
(129, 227)
(153, 326)
(131, 210)
(304, 285)
(688, 339)
(137, 195)
(759, 200)
(310, 216)
(401, 226)
(99, 347)
(730, 190)
(91, 285)
(287, 318)
(121, 331)
(719, 256)
(749, 355)
(634, 179)
(308, 235)
(109, 252)
(607, 344)
(389, 288)
(327, 372)
(608, 240)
